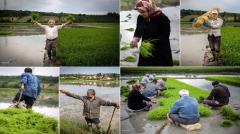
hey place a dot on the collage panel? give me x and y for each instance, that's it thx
(89, 100)
(149, 33)
(209, 33)
(29, 100)
(180, 100)
(59, 33)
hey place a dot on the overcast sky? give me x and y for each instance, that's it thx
(43, 71)
(66, 6)
(224, 5)
(88, 70)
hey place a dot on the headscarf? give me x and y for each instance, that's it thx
(150, 5)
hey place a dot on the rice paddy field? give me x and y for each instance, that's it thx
(230, 46)
(94, 45)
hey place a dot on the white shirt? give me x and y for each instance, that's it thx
(145, 80)
(51, 32)
(215, 27)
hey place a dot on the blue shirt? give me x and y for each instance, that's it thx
(31, 84)
(186, 107)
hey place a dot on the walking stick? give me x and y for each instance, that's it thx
(109, 126)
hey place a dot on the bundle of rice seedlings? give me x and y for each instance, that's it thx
(126, 46)
(34, 16)
(130, 59)
(146, 49)
(70, 18)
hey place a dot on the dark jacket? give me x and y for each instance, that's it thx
(220, 93)
(135, 100)
(157, 30)
(91, 108)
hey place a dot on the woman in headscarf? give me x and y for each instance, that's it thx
(137, 101)
(154, 26)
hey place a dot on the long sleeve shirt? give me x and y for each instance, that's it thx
(31, 84)
(91, 108)
(186, 107)
(219, 93)
(51, 32)
(215, 27)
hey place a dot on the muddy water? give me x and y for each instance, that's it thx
(22, 50)
(73, 108)
(192, 49)
(126, 36)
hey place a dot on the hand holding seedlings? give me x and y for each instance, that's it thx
(134, 42)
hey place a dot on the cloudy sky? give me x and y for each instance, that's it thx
(43, 71)
(88, 70)
(225, 5)
(66, 6)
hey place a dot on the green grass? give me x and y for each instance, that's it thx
(226, 123)
(89, 46)
(230, 44)
(68, 126)
(19, 121)
(230, 114)
(5, 33)
(235, 81)
(171, 95)
(130, 59)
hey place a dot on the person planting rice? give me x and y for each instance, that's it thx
(153, 26)
(150, 91)
(137, 101)
(185, 110)
(29, 89)
(219, 96)
(51, 31)
(161, 84)
(92, 105)
(152, 76)
(213, 22)
(145, 80)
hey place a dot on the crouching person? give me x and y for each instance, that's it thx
(185, 110)
(219, 96)
(92, 104)
(137, 101)
(29, 89)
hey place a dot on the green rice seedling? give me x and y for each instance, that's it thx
(70, 18)
(5, 33)
(130, 29)
(124, 21)
(200, 99)
(229, 113)
(132, 81)
(35, 16)
(204, 111)
(130, 59)
(126, 46)
(15, 121)
(226, 123)
(124, 91)
(146, 49)
(129, 16)
(235, 81)
(159, 113)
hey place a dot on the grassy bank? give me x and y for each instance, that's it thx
(19, 121)
(180, 70)
(171, 95)
(89, 46)
(230, 46)
(4, 33)
(235, 81)
(68, 126)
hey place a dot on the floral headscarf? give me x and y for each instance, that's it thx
(150, 5)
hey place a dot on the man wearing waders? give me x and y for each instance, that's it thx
(91, 108)
(214, 34)
(29, 89)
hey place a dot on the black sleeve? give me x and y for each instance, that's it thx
(211, 96)
(165, 29)
(142, 97)
(138, 32)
